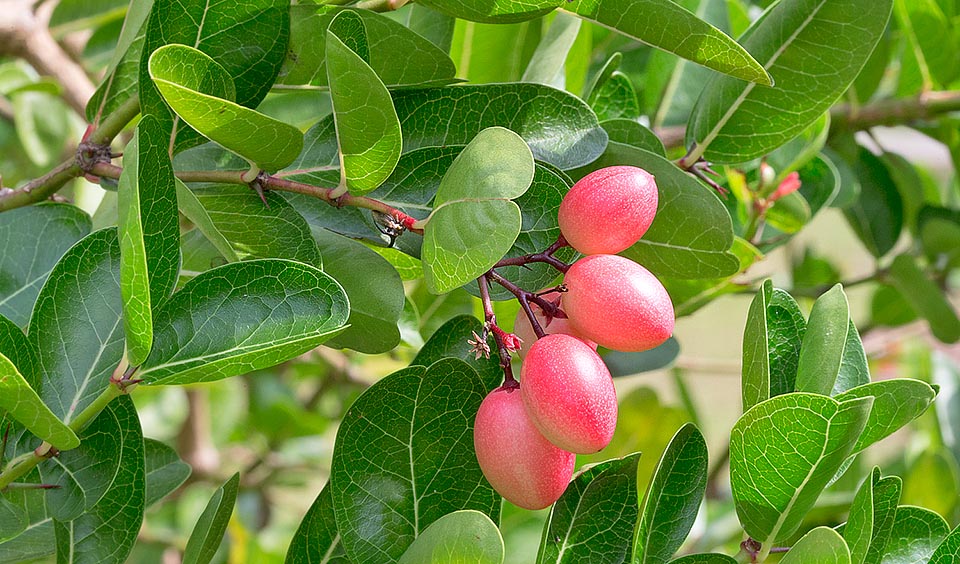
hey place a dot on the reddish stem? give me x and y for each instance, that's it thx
(491, 321)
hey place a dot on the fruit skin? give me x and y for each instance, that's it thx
(608, 210)
(523, 329)
(569, 394)
(516, 459)
(617, 303)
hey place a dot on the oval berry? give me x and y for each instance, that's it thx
(569, 394)
(608, 210)
(617, 303)
(516, 459)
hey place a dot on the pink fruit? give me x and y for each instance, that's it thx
(516, 459)
(569, 394)
(617, 303)
(553, 325)
(608, 210)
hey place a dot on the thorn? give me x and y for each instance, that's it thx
(257, 187)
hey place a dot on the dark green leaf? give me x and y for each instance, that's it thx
(436, 27)
(796, 41)
(858, 530)
(615, 98)
(493, 11)
(34, 238)
(670, 27)
(317, 540)
(165, 472)
(461, 536)
(208, 533)
(19, 401)
(889, 307)
(630, 132)
(13, 520)
(915, 535)
(120, 82)
(939, 231)
(822, 545)
(877, 215)
(755, 374)
(775, 482)
(822, 352)
(242, 317)
(629, 363)
(926, 298)
(149, 234)
(673, 498)
(404, 458)
(450, 341)
(192, 209)
(949, 550)
(593, 520)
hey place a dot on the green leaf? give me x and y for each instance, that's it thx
(593, 520)
(76, 325)
(317, 540)
(404, 458)
(42, 121)
(390, 45)
(450, 341)
(706, 558)
(916, 534)
(474, 221)
(428, 23)
(21, 353)
(13, 520)
(374, 289)
(35, 238)
(629, 363)
(775, 482)
(939, 231)
(23, 404)
(755, 374)
(926, 298)
(671, 27)
(461, 536)
(242, 317)
(822, 545)
(120, 82)
(673, 498)
(368, 130)
(165, 472)
(888, 307)
(216, 29)
(192, 209)
(208, 533)
(877, 215)
(949, 550)
(492, 11)
(786, 329)
(200, 90)
(886, 495)
(858, 530)
(149, 230)
(630, 132)
(789, 213)
(690, 295)
(615, 98)
(932, 482)
(928, 36)
(547, 64)
(106, 533)
(494, 53)
(821, 354)
(255, 230)
(854, 370)
(796, 42)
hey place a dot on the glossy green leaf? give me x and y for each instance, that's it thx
(216, 29)
(22, 354)
(34, 238)
(254, 230)
(368, 130)
(212, 524)
(374, 289)
(673, 498)
(242, 317)
(76, 325)
(786, 329)
(547, 64)
(615, 98)
(390, 45)
(797, 43)
(450, 341)
(926, 298)
(705, 558)
(755, 374)
(317, 540)
(886, 496)
(107, 532)
(149, 234)
(858, 530)
(460, 536)
(775, 482)
(821, 354)
(927, 32)
(165, 472)
(915, 535)
(22, 403)
(630, 132)
(193, 209)
(494, 53)
(690, 295)
(474, 221)
(120, 82)
(949, 550)
(932, 481)
(822, 545)
(493, 11)
(404, 458)
(199, 90)
(854, 370)
(594, 519)
(668, 26)
(877, 215)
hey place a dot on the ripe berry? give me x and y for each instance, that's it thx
(608, 210)
(617, 303)
(569, 394)
(516, 459)
(523, 329)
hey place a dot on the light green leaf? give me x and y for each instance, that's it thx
(33, 240)
(822, 545)
(242, 317)
(755, 374)
(673, 498)
(404, 458)
(120, 82)
(21, 353)
(615, 98)
(461, 536)
(547, 64)
(926, 298)
(915, 535)
(594, 519)
(149, 230)
(22, 403)
(706, 558)
(775, 482)
(208, 533)
(939, 231)
(927, 32)
(192, 209)
(789, 213)
(200, 91)
(823, 343)
(475, 222)
(668, 26)
(796, 41)
(854, 370)
(165, 472)
(368, 130)
(886, 495)
(858, 530)
(494, 53)
(932, 481)
(493, 11)
(949, 550)
(786, 329)
(317, 540)
(428, 23)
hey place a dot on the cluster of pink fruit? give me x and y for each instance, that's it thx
(526, 436)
